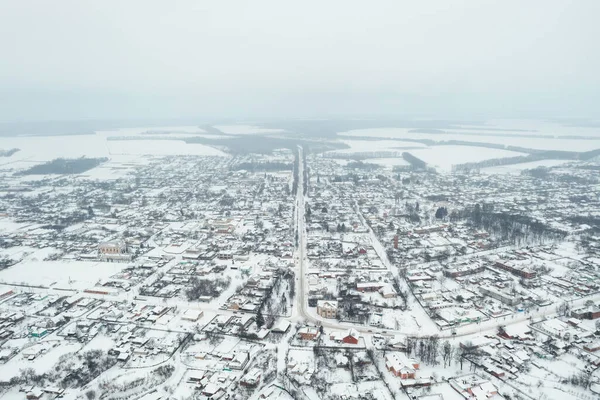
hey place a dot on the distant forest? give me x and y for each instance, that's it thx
(64, 166)
(8, 153)
(415, 162)
(539, 156)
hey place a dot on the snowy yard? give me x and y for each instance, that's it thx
(59, 274)
(45, 353)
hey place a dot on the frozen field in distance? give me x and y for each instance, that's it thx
(444, 157)
(117, 167)
(157, 129)
(147, 146)
(541, 127)
(45, 148)
(440, 157)
(516, 169)
(387, 162)
(485, 135)
(165, 131)
(358, 146)
(378, 133)
(245, 129)
(38, 149)
(160, 148)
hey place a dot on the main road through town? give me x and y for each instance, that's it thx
(300, 308)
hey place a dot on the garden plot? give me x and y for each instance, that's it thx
(59, 274)
(41, 356)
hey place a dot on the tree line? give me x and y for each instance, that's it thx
(64, 166)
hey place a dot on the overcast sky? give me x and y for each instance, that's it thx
(74, 59)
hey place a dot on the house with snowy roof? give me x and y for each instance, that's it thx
(401, 366)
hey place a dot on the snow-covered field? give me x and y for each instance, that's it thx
(245, 129)
(440, 157)
(484, 135)
(387, 162)
(59, 274)
(39, 149)
(516, 169)
(158, 130)
(46, 148)
(444, 157)
(542, 127)
(28, 253)
(358, 146)
(7, 225)
(117, 167)
(52, 352)
(160, 147)
(165, 131)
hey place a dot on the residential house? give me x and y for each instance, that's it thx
(252, 378)
(308, 333)
(401, 366)
(351, 337)
(327, 308)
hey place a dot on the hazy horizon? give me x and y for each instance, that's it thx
(72, 60)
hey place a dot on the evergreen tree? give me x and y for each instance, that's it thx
(260, 319)
(441, 213)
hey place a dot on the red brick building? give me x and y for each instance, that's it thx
(523, 272)
(351, 337)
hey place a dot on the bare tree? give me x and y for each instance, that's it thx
(447, 352)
